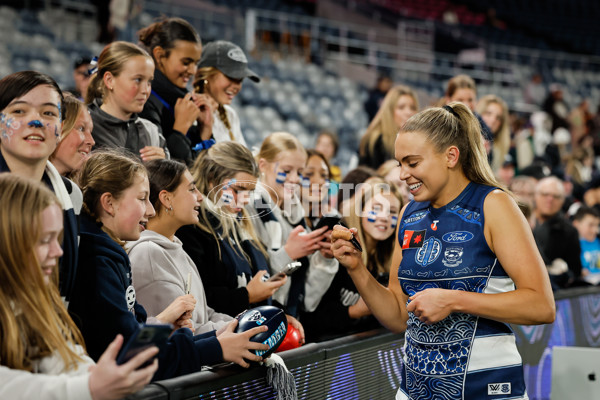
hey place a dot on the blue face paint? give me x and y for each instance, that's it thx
(231, 182)
(59, 111)
(305, 182)
(394, 221)
(227, 198)
(36, 123)
(371, 216)
(281, 177)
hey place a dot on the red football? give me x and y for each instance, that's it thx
(273, 317)
(292, 339)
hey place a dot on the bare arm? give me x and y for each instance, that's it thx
(386, 304)
(510, 238)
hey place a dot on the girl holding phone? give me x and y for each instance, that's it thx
(374, 213)
(223, 243)
(42, 354)
(278, 218)
(184, 118)
(116, 209)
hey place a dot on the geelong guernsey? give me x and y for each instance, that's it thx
(462, 356)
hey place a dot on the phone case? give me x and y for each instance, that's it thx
(147, 336)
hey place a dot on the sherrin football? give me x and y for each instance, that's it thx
(273, 318)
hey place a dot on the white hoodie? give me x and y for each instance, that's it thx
(160, 271)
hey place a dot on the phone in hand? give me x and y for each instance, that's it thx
(329, 221)
(147, 336)
(287, 270)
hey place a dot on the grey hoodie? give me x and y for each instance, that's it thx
(160, 271)
(133, 134)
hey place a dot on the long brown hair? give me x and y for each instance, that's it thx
(502, 136)
(383, 124)
(34, 322)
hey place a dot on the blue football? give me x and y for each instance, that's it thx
(269, 316)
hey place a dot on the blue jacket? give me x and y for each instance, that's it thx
(104, 305)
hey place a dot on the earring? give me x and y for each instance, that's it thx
(205, 82)
(170, 209)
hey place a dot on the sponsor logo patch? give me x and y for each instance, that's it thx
(457, 237)
(413, 239)
(415, 217)
(499, 388)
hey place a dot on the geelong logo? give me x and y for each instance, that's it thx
(457, 237)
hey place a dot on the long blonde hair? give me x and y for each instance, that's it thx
(502, 136)
(220, 162)
(379, 258)
(34, 322)
(383, 124)
(459, 128)
(112, 59)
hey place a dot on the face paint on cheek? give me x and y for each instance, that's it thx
(305, 182)
(9, 125)
(371, 216)
(227, 198)
(394, 221)
(280, 178)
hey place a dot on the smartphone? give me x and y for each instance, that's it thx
(287, 270)
(147, 336)
(330, 222)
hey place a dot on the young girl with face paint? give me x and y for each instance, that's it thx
(117, 93)
(278, 218)
(162, 270)
(223, 242)
(76, 138)
(185, 118)
(31, 105)
(222, 69)
(464, 267)
(116, 209)
(342, 310)
(315, 183)
(41, 353)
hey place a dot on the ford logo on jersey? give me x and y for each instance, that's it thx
(457, 237)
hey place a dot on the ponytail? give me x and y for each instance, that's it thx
(455, 125)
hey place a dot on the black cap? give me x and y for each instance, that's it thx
(228, 58)
(79, 61)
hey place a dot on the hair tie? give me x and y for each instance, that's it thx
(451, 111)
(205, 144)
(94, 64)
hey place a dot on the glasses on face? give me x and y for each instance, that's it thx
(554, 196)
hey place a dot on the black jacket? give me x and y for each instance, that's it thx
(221, 274)
(104, 305)
(160, 109)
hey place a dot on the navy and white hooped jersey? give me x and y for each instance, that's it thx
(462, 356)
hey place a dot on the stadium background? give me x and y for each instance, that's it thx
(318, 60)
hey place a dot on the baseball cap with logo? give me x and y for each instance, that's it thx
(228, 58)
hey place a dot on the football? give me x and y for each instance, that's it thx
(292, 339)
(273, 318)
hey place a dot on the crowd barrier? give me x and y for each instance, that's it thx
(367, 365)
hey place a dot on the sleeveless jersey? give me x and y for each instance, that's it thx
(462, 356)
